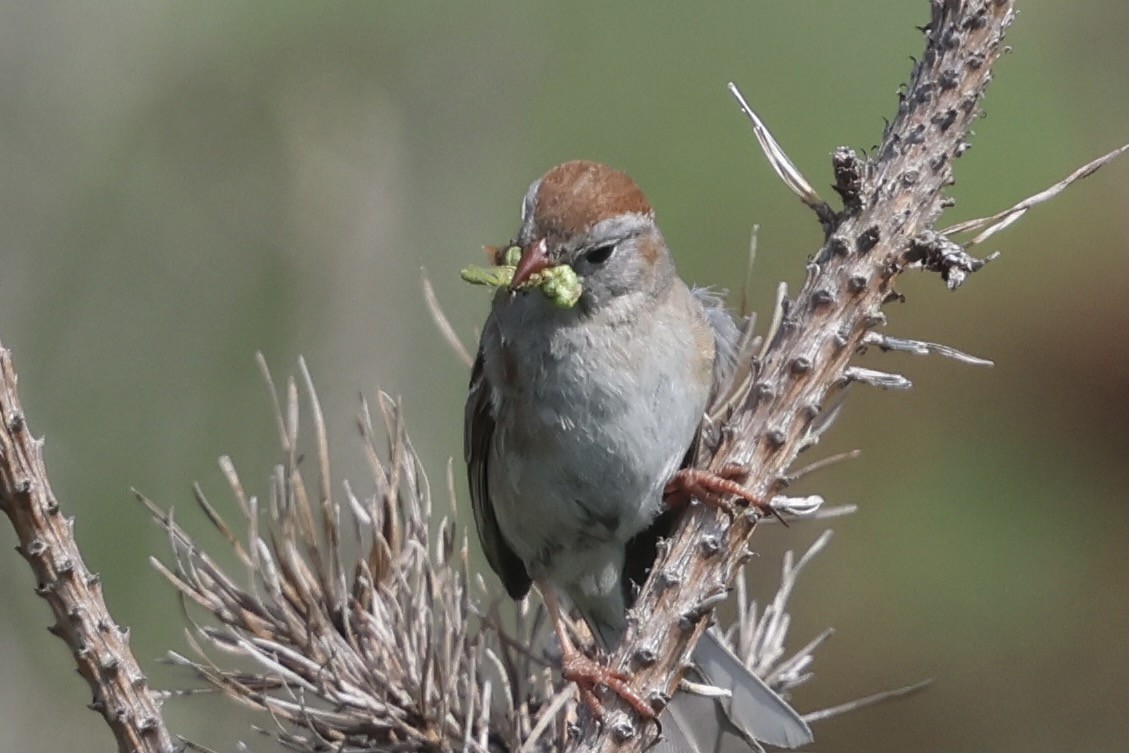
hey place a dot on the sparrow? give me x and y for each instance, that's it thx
(578, 418)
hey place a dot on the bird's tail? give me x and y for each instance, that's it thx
(701, 724)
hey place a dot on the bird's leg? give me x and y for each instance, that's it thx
(712, 487)
(587, 673)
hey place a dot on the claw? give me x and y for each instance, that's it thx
(712, 487)
(588, 673)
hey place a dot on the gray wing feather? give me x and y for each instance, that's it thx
(478, 432)
(726, 333)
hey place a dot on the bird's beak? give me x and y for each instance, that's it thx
(533, 259)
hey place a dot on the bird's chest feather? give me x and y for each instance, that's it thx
(591, 422)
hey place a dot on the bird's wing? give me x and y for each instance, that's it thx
(478, 433)
(736, 347)
(726, 333)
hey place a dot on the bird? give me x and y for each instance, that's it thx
(577, 420)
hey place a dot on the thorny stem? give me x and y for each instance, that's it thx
(890, 204)
(100, 646)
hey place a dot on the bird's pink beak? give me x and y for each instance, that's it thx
(533, 259)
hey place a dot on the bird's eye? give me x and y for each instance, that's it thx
(600, 254)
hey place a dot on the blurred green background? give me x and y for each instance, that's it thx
(187, 183)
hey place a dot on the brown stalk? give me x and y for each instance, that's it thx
(890, 203)
(100, 645)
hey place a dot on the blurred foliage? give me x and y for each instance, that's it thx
(184, 184)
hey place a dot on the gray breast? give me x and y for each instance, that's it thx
(589, 429)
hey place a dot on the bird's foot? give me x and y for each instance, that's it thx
(589, 673)
(712, 488)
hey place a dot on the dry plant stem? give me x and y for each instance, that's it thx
(890, 205)
(100, 646)
(353, 606)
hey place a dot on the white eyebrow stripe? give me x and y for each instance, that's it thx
(527, 202)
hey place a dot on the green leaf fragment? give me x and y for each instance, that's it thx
(560, 284)
(498, 277)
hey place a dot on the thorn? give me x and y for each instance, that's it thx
(880, 379)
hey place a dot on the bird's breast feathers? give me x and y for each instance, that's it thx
(591, 422)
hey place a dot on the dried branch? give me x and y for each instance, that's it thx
(784, 168)
(360, 622)
(99, 644)
(890, 204)
(1001, 220)
(870, 700)
(359, 619)
(442, 322)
